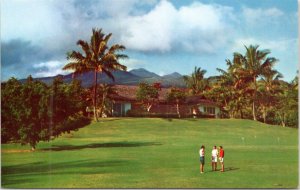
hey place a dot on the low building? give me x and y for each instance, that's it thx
(125, 100)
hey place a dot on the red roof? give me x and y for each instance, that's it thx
(128, 93)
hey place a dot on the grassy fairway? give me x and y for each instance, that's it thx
(157, 153)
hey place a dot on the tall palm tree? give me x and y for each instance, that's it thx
(255, 62)
(96, 57)
(196, 82)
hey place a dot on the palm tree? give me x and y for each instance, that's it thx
(295, 81)
(287, 103)
(236, 87)
(254, 64)
(196, 82)
(97, 57)
(268, 87)
(105, 90)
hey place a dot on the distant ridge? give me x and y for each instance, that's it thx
(141, 72)
(173, 75)
(133, 77)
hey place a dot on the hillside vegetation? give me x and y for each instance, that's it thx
(157, 153)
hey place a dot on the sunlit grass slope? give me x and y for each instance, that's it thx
(157, 153)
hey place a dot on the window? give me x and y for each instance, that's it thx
(210, 110)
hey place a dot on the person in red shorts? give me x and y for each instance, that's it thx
(221, 158)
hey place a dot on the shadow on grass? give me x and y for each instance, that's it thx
(168, 119)
(110, 119)
(10, 181)
(185, 119)
(36, 171)
(100, 145)
(228, 169)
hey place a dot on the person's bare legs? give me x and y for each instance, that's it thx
(201, 168)
(222, 167)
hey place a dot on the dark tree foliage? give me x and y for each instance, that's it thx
(11, 109)
(148, 94)
(33, 112)
(176, 96)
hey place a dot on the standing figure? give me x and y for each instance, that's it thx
(221, 158)
(201, 153)
(214, 158)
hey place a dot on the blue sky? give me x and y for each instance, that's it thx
(162, 36)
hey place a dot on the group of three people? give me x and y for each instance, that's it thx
(214, 159)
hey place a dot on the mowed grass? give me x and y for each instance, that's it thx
(157, 153)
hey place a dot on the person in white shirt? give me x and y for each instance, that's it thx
(214, 158)
(202, 160)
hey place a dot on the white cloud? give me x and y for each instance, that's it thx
(160, 27)
(151, 31)
(203, 28)
(196, 28)
(161, 73)
(133, 63)
(49, 68)
(28, 20)
(259, 16)
(273, 45)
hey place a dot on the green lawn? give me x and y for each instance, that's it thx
(157, 153)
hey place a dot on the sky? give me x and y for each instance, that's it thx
(162, 36)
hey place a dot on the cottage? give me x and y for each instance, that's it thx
(125, 100)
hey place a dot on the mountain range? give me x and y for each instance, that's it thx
(132, 77)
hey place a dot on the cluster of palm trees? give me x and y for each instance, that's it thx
(251, 84)
(249, 88)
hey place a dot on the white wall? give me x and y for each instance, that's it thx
(217, 110)
(201, 109)
(127, 107)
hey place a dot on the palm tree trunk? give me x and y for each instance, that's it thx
(149, 107)
(95, 95)
(282, 119)
(253, 111)
(254, 98)
(102, 104)
(177, 107)
(265, 113)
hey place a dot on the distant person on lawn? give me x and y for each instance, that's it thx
(214, 158)
(221, 158)
(201, 153)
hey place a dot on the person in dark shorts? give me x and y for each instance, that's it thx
(202, 159)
